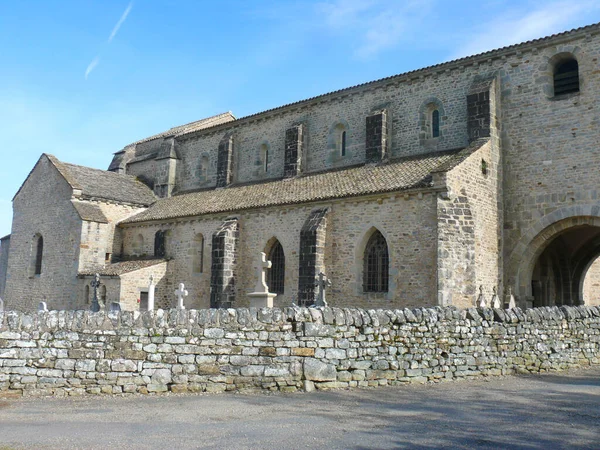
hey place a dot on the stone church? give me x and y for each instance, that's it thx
(419, 189)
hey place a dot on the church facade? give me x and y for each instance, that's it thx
(421, 189)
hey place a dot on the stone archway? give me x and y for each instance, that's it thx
(550, 261)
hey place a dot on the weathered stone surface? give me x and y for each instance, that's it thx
(315, 370)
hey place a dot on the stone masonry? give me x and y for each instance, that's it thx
(78, 352)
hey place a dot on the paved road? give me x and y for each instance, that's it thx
(531, 412)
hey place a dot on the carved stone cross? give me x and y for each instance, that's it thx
(263, 265)
(180, 293)
(323, 283)
(95, 284)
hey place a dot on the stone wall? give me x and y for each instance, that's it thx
(78, 352)
(408, 222)
(4, 249)
(43, 207)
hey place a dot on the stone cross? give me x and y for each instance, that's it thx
(511, 299)
(95, 284)
(42, 306)
(263, 265)
(1, 305)
(180, 293)
(323, 283)
(151, 288)
(495, 302)
(481, 299)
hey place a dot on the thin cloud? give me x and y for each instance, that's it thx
(120, 22)
(519, 25)
(92, 66)
(113, 33)
(374, 25)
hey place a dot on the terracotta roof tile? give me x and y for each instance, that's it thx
(90, 212)
(96, 183)
(120, 268)
(407, 173)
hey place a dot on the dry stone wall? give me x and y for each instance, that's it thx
(78, 352)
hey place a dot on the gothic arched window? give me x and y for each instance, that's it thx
(376, 264)
(276, 274)
(566, 77)
(435, 123)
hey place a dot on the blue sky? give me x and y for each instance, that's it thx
(81, 79)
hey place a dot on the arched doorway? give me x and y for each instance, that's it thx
(552, 269)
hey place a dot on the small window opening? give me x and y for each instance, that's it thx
(107, 258)
(198, 257)
(266, 159)
(343, 143)
(159, 244)
(566, 77)
(38, 255)
(484, 167)
(435, 123)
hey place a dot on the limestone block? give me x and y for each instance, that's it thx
(316, 370)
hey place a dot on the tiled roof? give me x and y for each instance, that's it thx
(407, 173)
(90, 212)
(105, 185)
(192, 126)
(120, 268)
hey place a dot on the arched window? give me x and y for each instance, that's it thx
(204, 168)
(102, 294)
(566, 77)
(198, 255)
(39, 253)
(435, 123)
(159, 244)
(276, 274)
(376, 264)
(343, 143)
(138, 244)
(264, 157)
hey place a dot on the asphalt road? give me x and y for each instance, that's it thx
(531, 412)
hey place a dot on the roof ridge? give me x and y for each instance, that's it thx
(423, 70)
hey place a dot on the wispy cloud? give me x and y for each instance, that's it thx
(92, 66)
(120, 22)
(375, 25)
(525, 23)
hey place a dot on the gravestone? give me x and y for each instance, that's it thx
(261, 297)
(495, 302)
(151, 288)
(511, 299)
(42, 306)
(181, 293)
(115, 307)
(481, 299)
(322, 284)
(95, 284)
(1, 305)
